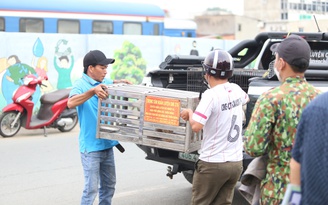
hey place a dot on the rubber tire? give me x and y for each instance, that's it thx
(67, 129)
(18, 124)
(188, 175)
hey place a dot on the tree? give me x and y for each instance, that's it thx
(129, 63)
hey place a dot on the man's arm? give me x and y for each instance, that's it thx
(295, 172)
(79, 99)
(122, 81)
(259, 129)
(187, 115)
(295, 165)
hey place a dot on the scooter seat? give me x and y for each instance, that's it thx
(55, 96)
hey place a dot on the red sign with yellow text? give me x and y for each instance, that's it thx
(162, 110)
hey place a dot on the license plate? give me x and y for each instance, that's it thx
(188, 157)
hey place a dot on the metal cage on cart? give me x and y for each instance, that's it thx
(148, 116)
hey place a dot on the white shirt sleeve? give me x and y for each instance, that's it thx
(204, 108)
(245, 97)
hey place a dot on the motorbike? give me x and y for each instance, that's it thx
(53, 112)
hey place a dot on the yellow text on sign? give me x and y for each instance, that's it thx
(162, 110)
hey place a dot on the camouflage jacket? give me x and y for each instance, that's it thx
(272, 128)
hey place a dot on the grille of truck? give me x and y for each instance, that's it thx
(242, 77)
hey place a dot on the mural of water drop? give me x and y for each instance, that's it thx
(38, 48)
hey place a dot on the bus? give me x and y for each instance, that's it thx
(87, 17)
(179, 27)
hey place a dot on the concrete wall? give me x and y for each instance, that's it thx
(209, 25)
(30, 49)
(227, 26)
(267, 10)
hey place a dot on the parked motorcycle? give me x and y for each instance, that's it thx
(53, 111)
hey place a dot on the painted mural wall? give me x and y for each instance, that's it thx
(60, 57)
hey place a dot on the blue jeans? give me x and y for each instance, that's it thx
(99, 171)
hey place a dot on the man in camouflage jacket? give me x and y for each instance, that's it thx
(272, 127)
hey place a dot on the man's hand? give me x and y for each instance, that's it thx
(123, 81)
(101, 91)
(185, 114)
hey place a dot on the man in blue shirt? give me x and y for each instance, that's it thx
(97, 155)
(309, 165)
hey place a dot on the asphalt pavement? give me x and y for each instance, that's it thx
(38, 170)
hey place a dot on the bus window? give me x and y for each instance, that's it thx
(189, 34)
(132, 29)
(2, 24)
(31, 25)
(102, 27)
(156, 30)
(68, 26)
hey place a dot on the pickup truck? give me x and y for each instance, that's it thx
(253, 62)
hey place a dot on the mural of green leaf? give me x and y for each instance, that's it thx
(129, 63)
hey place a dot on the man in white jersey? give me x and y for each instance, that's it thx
(220, 115)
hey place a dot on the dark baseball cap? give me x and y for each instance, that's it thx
(96, 57)
(294, 50)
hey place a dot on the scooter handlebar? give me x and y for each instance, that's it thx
(44, 78)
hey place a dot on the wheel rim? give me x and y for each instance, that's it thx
(6, 121)
(71, 126)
